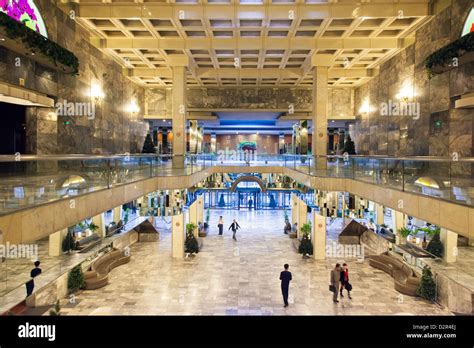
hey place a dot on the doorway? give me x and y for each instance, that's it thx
(12, 129)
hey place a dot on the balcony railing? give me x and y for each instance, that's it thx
(33, 180)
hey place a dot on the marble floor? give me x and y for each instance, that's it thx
(239, 278)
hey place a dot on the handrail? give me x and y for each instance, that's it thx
(28, 158)
(24, 158)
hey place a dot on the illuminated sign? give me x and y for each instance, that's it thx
(24, 11)
(469, 25)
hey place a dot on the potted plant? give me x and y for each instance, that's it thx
(93, 227)
(191, 244)
(404, 232)
(435, 246)
(427, 288)
(76, 279)
(68, 243)
(56, 310)
(306, 247)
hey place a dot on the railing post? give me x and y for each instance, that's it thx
(108, 174)
(403, 175)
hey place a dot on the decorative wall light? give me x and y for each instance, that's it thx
(365, 108)
(97, 94)
(405, 94)
(133, 107)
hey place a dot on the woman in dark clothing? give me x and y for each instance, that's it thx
(345, 281)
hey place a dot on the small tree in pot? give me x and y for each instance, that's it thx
(435, 246)
(191, 244)
(68, 243)
(306, 247)
(427, 288)
(76, 279)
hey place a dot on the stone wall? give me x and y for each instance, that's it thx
(112, 130)
(440, 129)
(341, 100)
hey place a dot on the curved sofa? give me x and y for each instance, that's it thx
(98, 275)
(405, 279)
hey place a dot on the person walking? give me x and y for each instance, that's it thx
(234, 226)
(220, 225)
(30, 285)
(334, 279)
(344, 279)
(285, 277)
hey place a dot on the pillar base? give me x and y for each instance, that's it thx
(178, 162)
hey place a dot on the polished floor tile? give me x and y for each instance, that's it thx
(240, 278)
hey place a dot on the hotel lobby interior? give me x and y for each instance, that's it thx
(135, 133)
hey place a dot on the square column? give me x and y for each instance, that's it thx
(320, 114)
(177, 236)
(117, 214)
(178, 100)
(294, 209)
(302, 216)
(100, 221)
(398, 221)
(56, 242)
(319, 236)
(450, 245)
(379, 214)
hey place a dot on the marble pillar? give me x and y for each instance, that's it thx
(177, 236)
(319, 236)
(450, 245)
(56, 242)
(302, 216)
(398, 221)
(179, 115)
(320, 114)
(99, 220)
(117, 215)
(379, 214)
(294, 209)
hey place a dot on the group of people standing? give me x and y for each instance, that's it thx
(339, 281)
(234, 226)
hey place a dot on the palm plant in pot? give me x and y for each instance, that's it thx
(306, 247)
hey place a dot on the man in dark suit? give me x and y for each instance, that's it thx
(285, 277)
(30, 285)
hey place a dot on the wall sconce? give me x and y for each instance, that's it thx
(97, 94)
(365, 108)
(133, 107)
(405, 94)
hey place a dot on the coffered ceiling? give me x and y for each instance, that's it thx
(251, 42)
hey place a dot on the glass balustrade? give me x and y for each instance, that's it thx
(34, 180)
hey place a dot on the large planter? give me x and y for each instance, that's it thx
(24, 41)
(463, 59)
